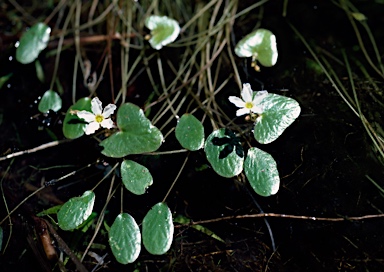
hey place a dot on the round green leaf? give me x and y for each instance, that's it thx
(32, 43)
(261, 45)
(261, 171)
(279, 112)
(136, 177)
(125, 239)
(158, 229)
(73, 126)
(137, 135)
(190, 132)
(75, 211)
(229, 166)
(164, 30)
(50, 101)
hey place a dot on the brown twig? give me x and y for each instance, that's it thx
(302, 217)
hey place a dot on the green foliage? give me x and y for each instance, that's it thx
(50, 101)
(32, 43)
(158, 229)
(229, 166)
(4, 79)
(279, 113)
(125, 239)
(75, 211)
(260, 45)
(164, 30)
(261, 171)
(137, 135)
(136, 177)
(73, 126)
(190, 132)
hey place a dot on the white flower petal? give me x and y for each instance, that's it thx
(242, 111)
(259, 96)
(237, 101)
(257, 109)
(86, 115)
(91, 128)
(107, 123)
(108, 110)
(96, 105)
(247, 92)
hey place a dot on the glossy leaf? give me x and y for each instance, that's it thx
(137, 135)
(125, 239)
(279, 112)
(261, 171)
(190, 132)
(50, 101)
(164, 30)
(32, 43)
(75, 211)
(158, 229)
(136, 177)
(73, 126)
(229, 166)
(261, 45)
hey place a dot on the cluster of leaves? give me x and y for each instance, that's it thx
(136, 135)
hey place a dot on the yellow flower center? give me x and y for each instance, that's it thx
(99, 118)
(249, 105)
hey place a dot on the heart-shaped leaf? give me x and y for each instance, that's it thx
(75, 211)
(190, 132)
(261, 171)
(73, 126)
(158, 229)
(279, 112)
(137, 135)
(164, 30)
(50, 101)
(136, 177)
(260, 45)
(125, 239)
(32, 43)
(224, 152)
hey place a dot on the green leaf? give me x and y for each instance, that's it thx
(164, 30)
(229, 166)
(32, 43)
(185, 221)
(261, 171)
(4, 79)
(279, 112)
(125, 239)
(158, 229)
(190, 132)
(261, 45)
(136, 177)
(73, 126)
(137, 135)
(50, 101)
(39, 71)
(75, 211)
(51, 210)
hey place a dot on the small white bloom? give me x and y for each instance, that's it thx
(98, 117)
(247, 104)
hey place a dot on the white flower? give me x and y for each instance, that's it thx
(247, 104)
(97, 117)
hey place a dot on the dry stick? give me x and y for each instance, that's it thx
(41, 147)
(79, 266)
(177, 177)
(302, 217)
